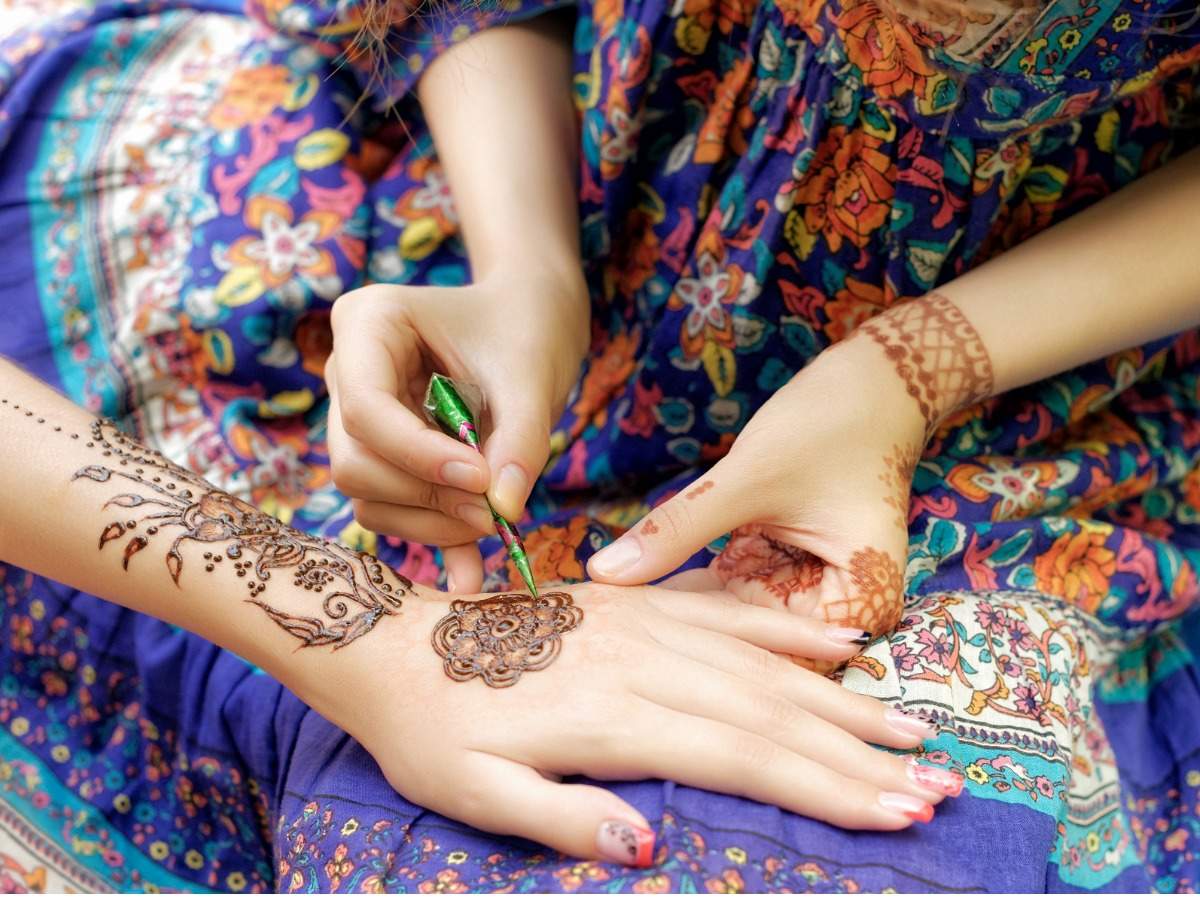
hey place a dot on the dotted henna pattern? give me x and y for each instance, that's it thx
(501, 638)
(878, 597)
(937, 352)
(898, 468)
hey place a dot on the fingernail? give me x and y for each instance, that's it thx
(943, 781)
(511, 487)
(917, 810)
(462, 475)
(617, 556)
(621, 842)
(909, 726)
(476, 515)
(848, 636)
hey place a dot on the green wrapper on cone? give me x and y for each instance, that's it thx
(447, 409)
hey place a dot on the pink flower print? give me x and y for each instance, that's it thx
(936, 648)
(988, 617)
(1026, 699)
(1044, 786)
(1019, 634)
(285, 247)
(904, 658)
(705, 295)
(1008, 665)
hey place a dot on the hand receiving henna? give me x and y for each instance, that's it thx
(478, 706)
(815, 490)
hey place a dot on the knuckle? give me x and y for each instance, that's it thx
(429, 496)
(366, 516)
(753, 752)
(354, 408)
(344, 471)
(777, 714)
(759, 665)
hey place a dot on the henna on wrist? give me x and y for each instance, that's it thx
(937, 353)
(167, 506)
(501, 638)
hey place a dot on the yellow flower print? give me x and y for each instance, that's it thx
(457, 857)
(1193, 778)
(691, 35)
(350, 827)
(736, 855)
(1093, 842)
(122, 803)
(37, 609)
(61, 753)
(20, 726)
(159, 850)
(6, 771)
(193, 859)
(297, 881)
(976, 774)
(236, 881)
(1070, 39)
(1121, 22)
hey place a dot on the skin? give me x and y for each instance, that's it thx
(608, 702)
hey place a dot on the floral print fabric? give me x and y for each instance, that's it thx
(185, 194)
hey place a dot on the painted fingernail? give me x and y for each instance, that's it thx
(909, 726)
(848, 636)
(917, 810)
(511, 487)
(945, 782)
(621, 842)
(476, 515)
(462, 475)
(617, 557)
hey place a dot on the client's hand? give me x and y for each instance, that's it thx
(519, 339)
(477, 713)
(815, 492)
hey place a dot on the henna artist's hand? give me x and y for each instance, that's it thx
(815, 490)
(520, 341)
(474, 711)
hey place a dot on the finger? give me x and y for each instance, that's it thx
(580, 820)
(697, 689)
(368, 386)
(517, 448)
(425, 526)
(767, 628)
(694, 580)
(864, 717)
(464, 568)
(709, 507)
(720, 757)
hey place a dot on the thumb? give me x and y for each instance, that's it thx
(579, 820)
(707, 508)
(518, 446)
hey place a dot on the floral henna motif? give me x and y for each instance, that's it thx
(753, 556)
(878, 596)
(501, 638)
(173, 500)
(937, 352)
(897, 476)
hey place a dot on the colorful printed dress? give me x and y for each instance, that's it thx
(182, 197)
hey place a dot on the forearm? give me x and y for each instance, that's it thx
(500, 111)
(90, 507)
(1123, 272)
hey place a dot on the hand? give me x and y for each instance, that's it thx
(521, 340)
(649, 684)
(815, 492)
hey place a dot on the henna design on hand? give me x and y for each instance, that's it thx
(778, 567)
(698, 490)
(937, 352)
(878, 598)
(504, 636)
(898, 469)
(167, 499)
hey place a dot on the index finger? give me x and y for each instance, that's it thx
(368, 384)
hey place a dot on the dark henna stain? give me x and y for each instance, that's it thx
(938, 354)
(697, 491)
(648, 527)
(341, 578)
(504, 636)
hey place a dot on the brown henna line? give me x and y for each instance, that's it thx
(879, 589)
(937, 353)
(253, 542)
(898, 468)
(501, 638)
(697, 491)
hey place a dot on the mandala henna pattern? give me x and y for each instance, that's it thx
(878, 593)
(355, 589)
(501, 638)
(937, 352)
